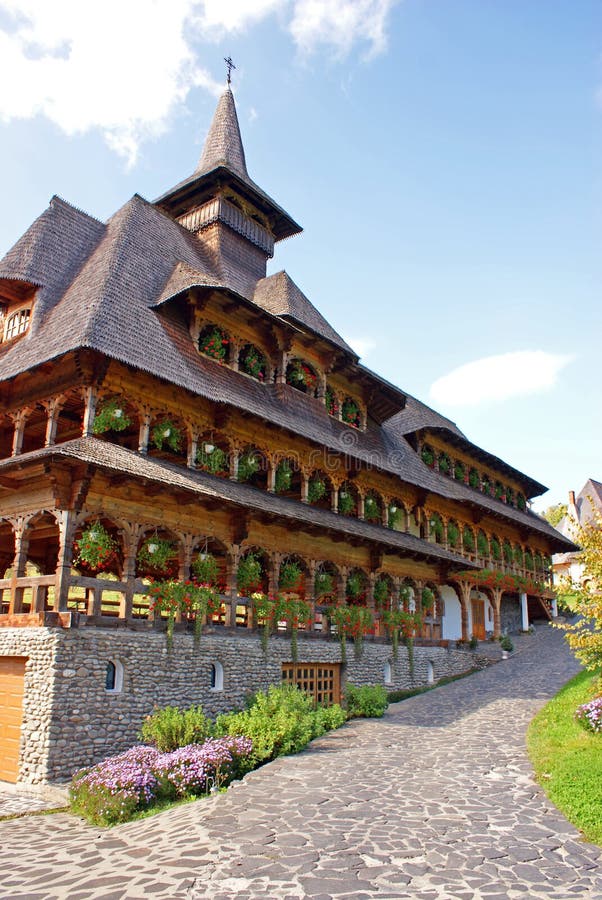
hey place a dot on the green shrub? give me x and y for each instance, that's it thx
(327, 718)
(170, 728)
(369, 700)
(506, 643)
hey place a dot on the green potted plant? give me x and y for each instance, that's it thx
(111, 416)
(206, 568)
(212, 459)
(249, 574)
(473, 478)
(459, 471)
(248, 465)
(394, 516)
(346, 502)
(453, 534)
(496, 549)
(444, 463)
(166, 434)
(156, 553)
(253, 362)
(331, 402)
(371, 509)
(95, 548)
(291, 574)
(468, 540)
(284, 477)
(355, 586)
(427, 456)
(316, 489)
(350, 413)
(214, 342)
(324, 583)
(482, 544)
(382, 592)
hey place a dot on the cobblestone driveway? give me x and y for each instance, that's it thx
(434, 801)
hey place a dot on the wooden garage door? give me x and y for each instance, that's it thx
(12, 679)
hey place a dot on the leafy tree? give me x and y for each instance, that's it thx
(585, 636)
(555, 514)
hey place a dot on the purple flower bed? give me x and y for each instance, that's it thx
(114, 789)
(590, 715)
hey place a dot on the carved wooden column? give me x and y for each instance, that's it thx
(272, 468)
(234, 454)
(233, 355)
(274, 573)
(342, 585)
(360, 505)
(90, 398)
(130, 548)
(53, 408)
(66, 522)
(231, 584)
(193, 445)
(305, 475)
(334, 499)
(465, 589)
(19, 419)
(21, 532)
(497, 612)
(144, 432)
(281, 367)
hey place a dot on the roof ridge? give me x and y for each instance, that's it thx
(223, 145)
(56, 199)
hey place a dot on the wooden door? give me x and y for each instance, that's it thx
(478, 619)
(12, 681)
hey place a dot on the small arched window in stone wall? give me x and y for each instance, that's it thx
(253, 362)
(387, 673)
(302, 376)
(214, 342)
(114, 677)
(351, 413)
(216, 681)
(430, 672)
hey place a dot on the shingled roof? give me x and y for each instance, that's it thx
(278, 294)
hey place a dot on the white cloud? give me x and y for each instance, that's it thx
(363, 346)
(124, 66)
(496, 378)
(341, 23)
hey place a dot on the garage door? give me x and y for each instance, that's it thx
(12, 680)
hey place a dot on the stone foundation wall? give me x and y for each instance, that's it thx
(72, 721)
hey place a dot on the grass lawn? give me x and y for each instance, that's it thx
(567, 759)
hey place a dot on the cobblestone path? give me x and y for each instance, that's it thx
(436, 800)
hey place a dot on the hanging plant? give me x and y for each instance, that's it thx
(453, 534)
(156, 554)
(427, 602)
(436, 527)
(265, 616)
(111, 417)
(95, 548)
(498, 491)
(331, 401)
(193, 602)
(398, 621)
(248, 465)
(316, 489)
(468, 540)
(486, 485)
(518, 556)
(394, 516)
(284, 477)
(351, 621)
(509, 496)
(371, 509)
(427, 456)
(529, 561)
(291, 574)
(459, 471)
(496, 549)
(508, 552)
(346, 503)
(444, 464)
(248, 574)
(473, 478)
(212, 459)
(350, 413)
(521, 502)
(214, 342)
(166, 434)
(299, 375)
(206, 568)
(253, 363)
(297, 614)
(324, 584)
(482, 544)
(382, 592)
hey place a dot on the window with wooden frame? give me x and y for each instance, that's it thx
(16, 323)
(322, 681)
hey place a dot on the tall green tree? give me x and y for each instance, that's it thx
(555, 514)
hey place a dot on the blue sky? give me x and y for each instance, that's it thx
(443, 158)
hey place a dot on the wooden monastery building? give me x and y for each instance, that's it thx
(164, 402)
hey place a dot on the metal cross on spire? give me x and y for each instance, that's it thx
(230, 64)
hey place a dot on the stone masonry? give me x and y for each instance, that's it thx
(71, 720)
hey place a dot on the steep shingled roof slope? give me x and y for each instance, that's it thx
(278, 294)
